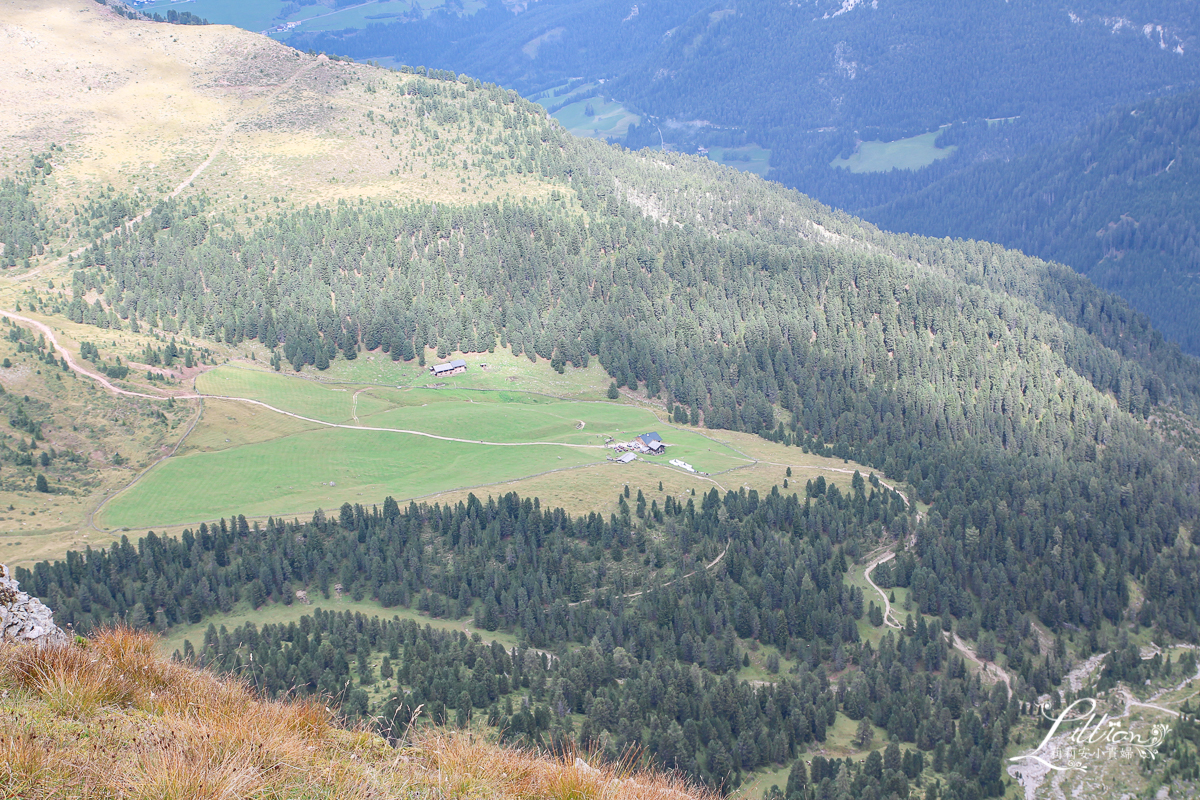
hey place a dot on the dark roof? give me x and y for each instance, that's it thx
(650, 437)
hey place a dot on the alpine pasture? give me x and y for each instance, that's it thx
(360, 443)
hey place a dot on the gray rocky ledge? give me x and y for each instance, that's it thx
(24, 618)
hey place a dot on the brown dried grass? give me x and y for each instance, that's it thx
(110, 718)
(73, 681)
(463, 766)
(24, 763)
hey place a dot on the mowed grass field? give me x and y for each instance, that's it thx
(914, 152)
(609, 119)
(750, 158)
(481, 416)
(323, 468)
(246, 459)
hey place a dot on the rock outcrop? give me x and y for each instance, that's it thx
(24, 618)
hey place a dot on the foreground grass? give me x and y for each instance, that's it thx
(109, 718)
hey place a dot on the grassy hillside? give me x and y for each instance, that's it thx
(81, 440)
(108, 717)
(154, 109)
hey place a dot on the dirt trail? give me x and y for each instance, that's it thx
(887, 604)
(107, 384)
(222, 140)
(882, 482)
(988, 669)
(231, 126)
(641, 592)
(379, 430)
(75, 365)
(984, 666)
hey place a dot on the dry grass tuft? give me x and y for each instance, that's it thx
(184, 774)
(24, 763)
(133, 655)
(463, 766)
(73, 681)
(109, 718)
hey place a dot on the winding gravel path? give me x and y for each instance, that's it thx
(641, 592)
(218, 146)
(987, 668)
(887, 604)
(107, 384)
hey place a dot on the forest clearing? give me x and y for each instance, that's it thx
(252, 447)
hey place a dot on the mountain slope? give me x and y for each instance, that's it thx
(1045, 428)
(812, 82)
(887, 65)
(807, 81)
(1118, 202)
(752, 307)
(148, 111)
(109, 717)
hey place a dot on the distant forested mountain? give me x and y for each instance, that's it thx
(779, 70)
(1120, 202)
(812, 81)
(802, 78)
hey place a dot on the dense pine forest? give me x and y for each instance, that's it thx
(656, 669)
(1117, 202)
(810, 82)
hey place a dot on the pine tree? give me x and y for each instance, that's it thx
(797, 780)
(864, 734)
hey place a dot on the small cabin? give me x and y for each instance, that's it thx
(625, 458)
(449, 368)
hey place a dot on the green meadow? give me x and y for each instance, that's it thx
(498, 370)
(750, 158)
(609, 119)
(254, 461)
(914, 152)
(324, 468)
(277, 613)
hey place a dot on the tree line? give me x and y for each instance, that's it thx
(658, 670)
